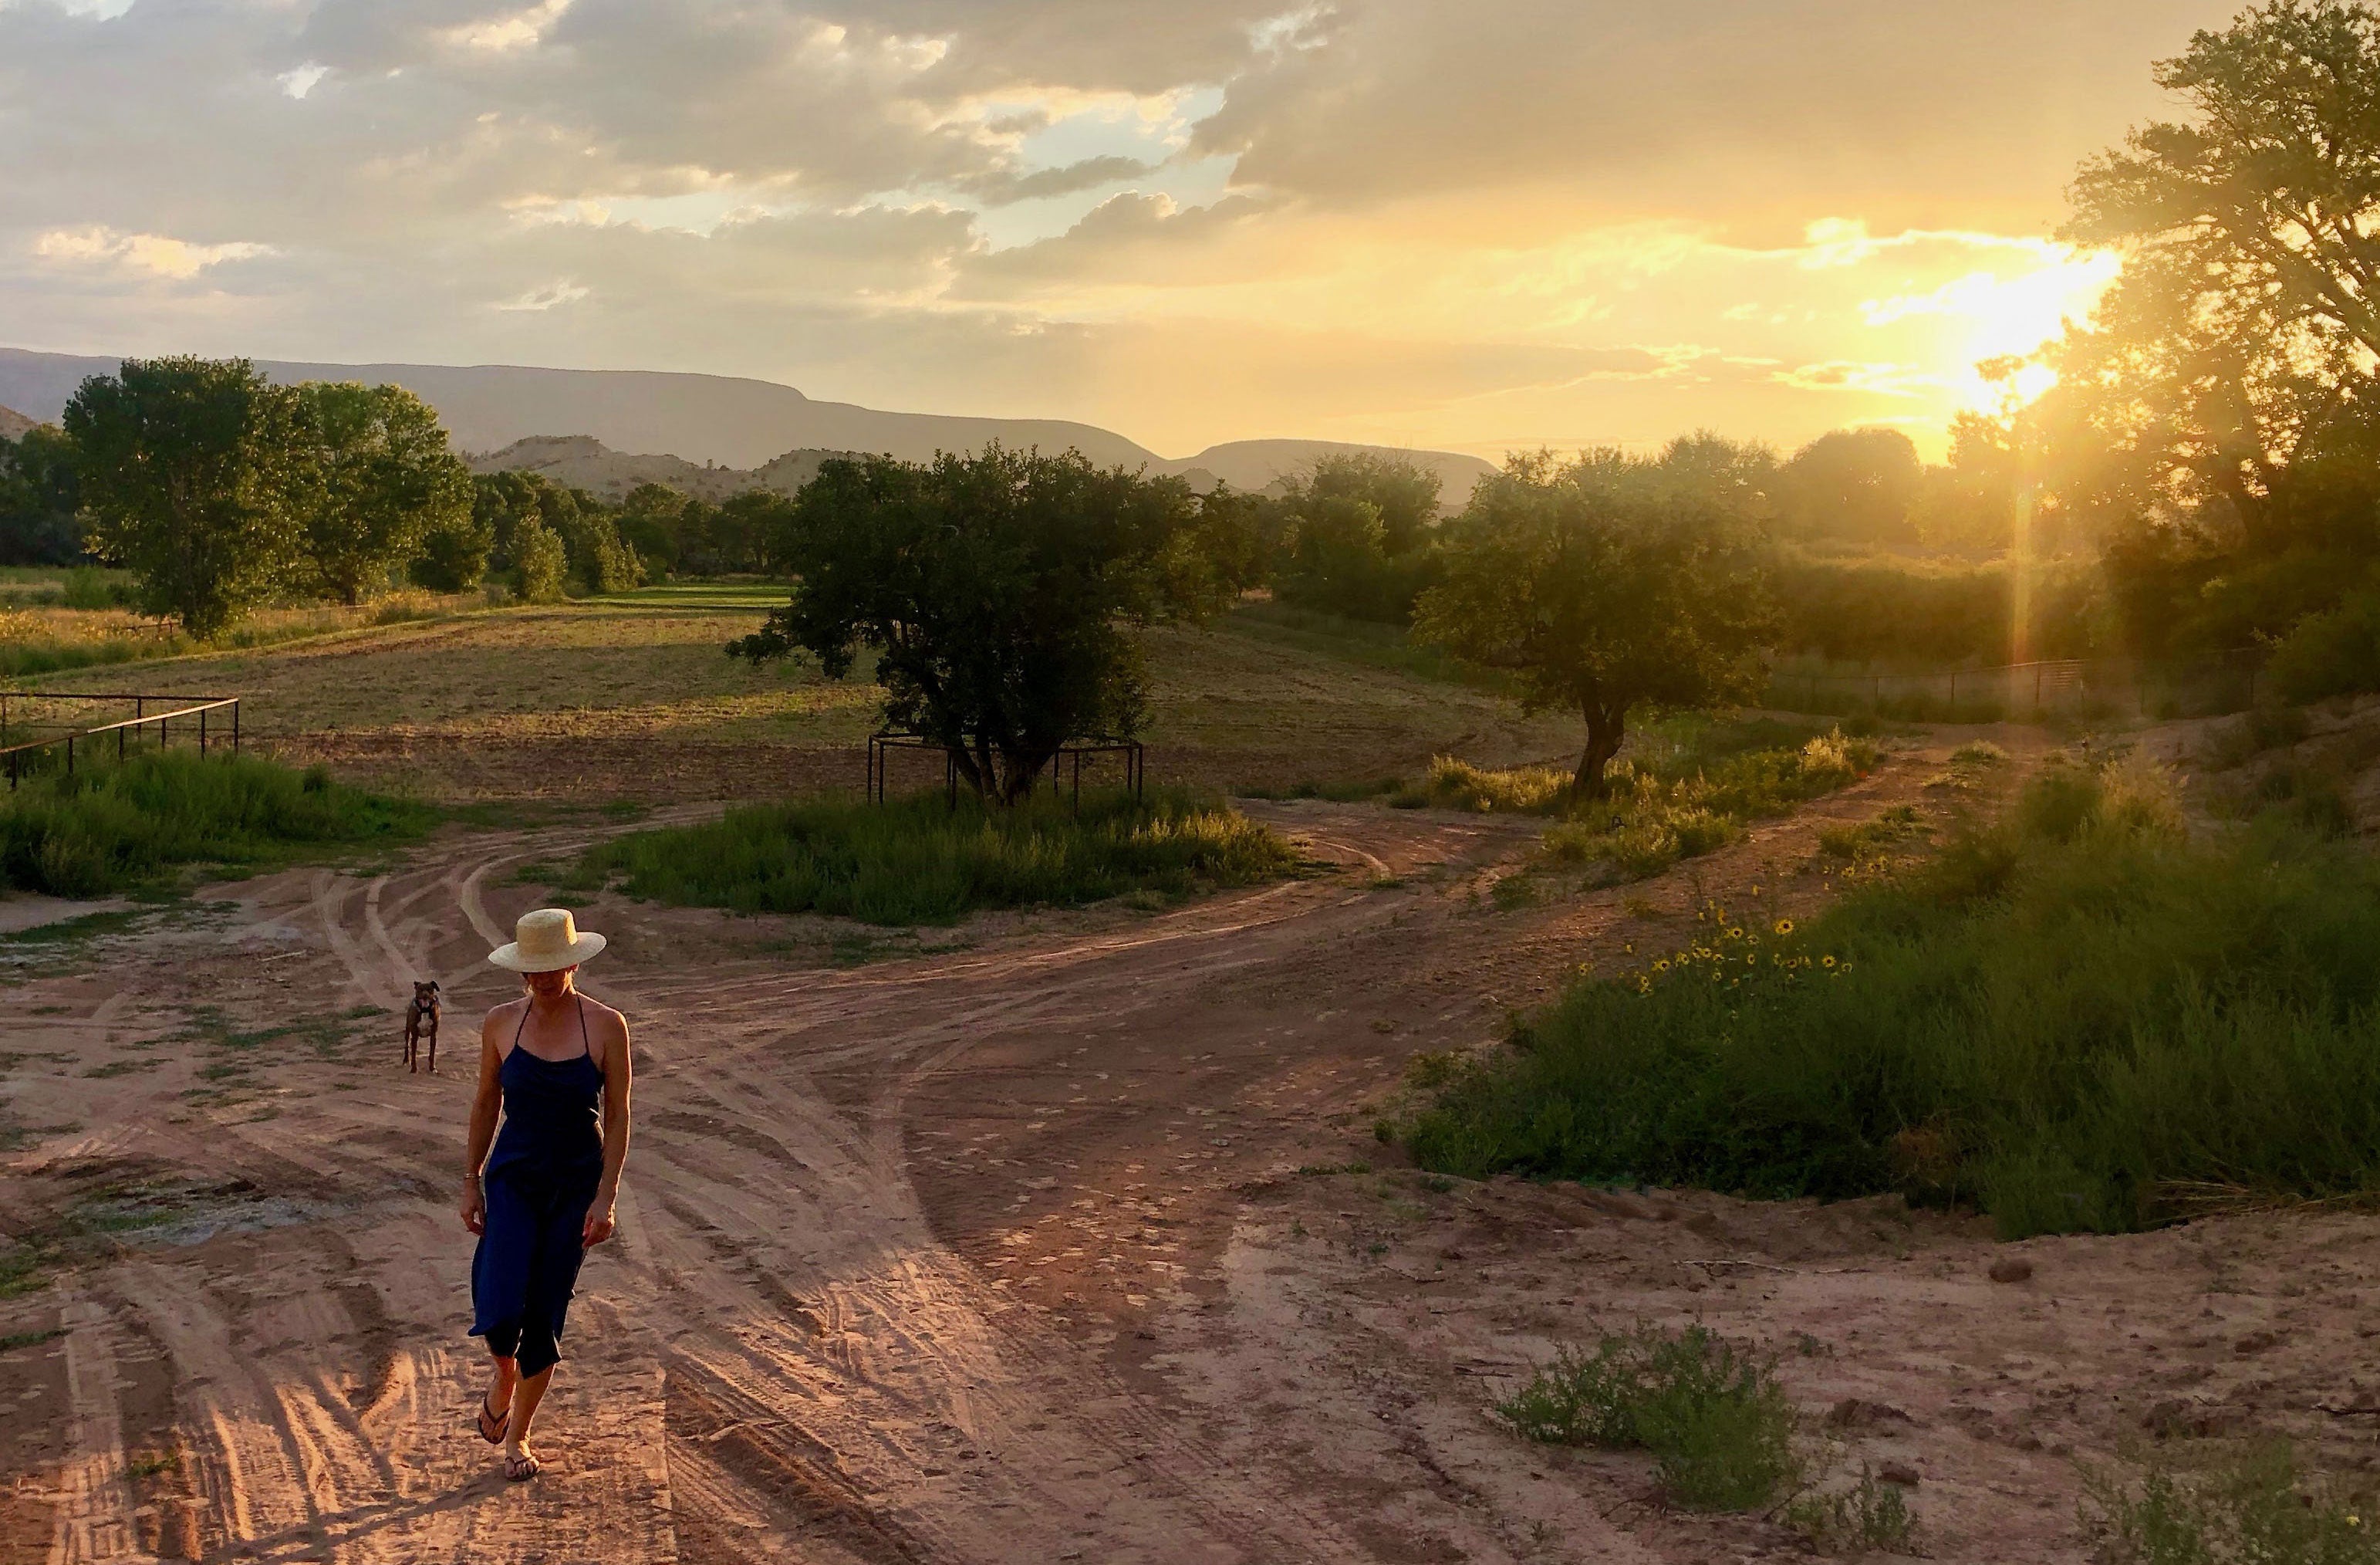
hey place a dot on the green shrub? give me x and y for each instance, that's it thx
(1655, 814)
(918, 860)
(2076, 1019)
(2335, 652)
(113, 826)
(1869, 1516)
(1979, 753)
(541, 564)
(1522, 790)
(2258, 1510)
(1712, 1414)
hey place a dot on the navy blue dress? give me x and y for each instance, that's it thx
(540, 1181)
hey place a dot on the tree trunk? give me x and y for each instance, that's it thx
(1606, 729)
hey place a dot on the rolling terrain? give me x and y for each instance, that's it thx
(719, 420)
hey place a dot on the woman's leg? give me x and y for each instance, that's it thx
(528, 1391)
(496, 1409)
(553, 1275)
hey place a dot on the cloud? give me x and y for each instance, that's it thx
(1090, 174)
(1401, 219)
(154, 253)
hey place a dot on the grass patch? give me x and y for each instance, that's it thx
(1520, 790)
(1863, 841)
(2075, 1017)
(82, 626)
(916, 861)
(1869, 1517)
(115, 827)
(1363, 642)
(1713, 1416)
(2258, 1508)
(15, 1339)
(1663, 807)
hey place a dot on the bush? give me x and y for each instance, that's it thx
(2256, 1510)
(1655, 813)
(1522, 790)
(541, 564)
(2333, 653)
(918, 860)
(1713, 1415)
(2075, 1020)
(113, 827)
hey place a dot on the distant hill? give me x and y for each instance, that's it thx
(13, 424)
(581, 462)
(714, 419)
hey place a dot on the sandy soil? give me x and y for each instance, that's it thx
(1038, 1245)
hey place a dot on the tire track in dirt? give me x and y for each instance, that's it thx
(796, 1349)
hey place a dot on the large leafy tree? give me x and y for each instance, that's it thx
(1607, 587)
(39, 497)
(2245, 322)
(1355, 534)
(193, 474)
(387, 483)
(999, 594)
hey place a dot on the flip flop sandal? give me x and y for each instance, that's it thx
(494, 1434)
(520, 1469)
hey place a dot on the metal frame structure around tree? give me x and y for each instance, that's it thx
(183, 706)
(1135, 763)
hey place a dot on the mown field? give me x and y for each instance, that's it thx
(633, 697)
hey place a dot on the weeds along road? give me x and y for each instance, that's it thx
(909, 1252)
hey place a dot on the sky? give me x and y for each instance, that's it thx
(1476, 224)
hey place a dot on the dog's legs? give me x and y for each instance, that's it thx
(433, 1043)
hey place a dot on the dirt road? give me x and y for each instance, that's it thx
(995, 1253)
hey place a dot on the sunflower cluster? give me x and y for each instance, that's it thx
(1730, 952)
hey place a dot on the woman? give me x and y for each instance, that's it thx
(547, 1193)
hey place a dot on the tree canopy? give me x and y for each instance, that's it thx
(1606, 586)
(998, 593)
(193, 474)
(384, 482)
(2214, 421)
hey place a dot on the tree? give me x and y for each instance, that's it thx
(386, 481)
(454, 554)
(539, 563)
(652, 521)
(1357, 536)
(2246, 315)
(748, 529)
(1404, 492)
(39, 497)
(192, 476)
(998, 592)
(1851, 486)
(1604, 588)
(2198, 420)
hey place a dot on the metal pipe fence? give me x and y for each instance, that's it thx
(22, 754)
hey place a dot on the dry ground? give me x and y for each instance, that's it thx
(1024, 1248)
(635, 698)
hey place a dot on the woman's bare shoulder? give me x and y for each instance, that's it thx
(506, 1013)
(603, 1015)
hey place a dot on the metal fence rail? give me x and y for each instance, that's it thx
(172, 707)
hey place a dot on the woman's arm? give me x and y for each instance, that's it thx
(485, 1105)
(615, 1132)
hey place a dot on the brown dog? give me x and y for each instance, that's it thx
(420, 1020)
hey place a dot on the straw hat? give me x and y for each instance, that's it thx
(546, 940)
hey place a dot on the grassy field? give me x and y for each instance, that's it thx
(2076, 1019)
(633, 697)
(917, 861)
(116, 828)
